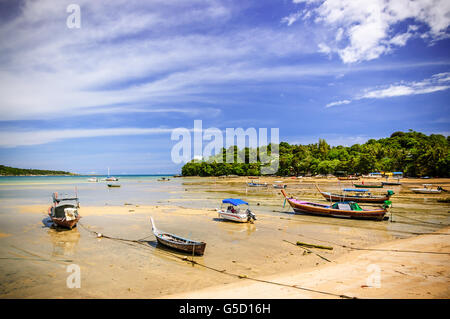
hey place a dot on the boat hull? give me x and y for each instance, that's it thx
(426, 191)
(367, 186)
(62, 222)
(323, 210)
(197, 248)
(239, 218)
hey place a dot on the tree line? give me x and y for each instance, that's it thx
(6, 170)
(413, 153)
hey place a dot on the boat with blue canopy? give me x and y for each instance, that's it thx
(235, 212)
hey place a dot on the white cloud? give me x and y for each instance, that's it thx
(338, 103)
(37, 137)
(365, 30)
(437, 82)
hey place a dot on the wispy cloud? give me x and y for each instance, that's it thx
(37, 137)
(437, 82)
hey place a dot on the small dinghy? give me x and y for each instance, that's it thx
(179, 243)
(113, 185)
(234, 213)
(64, 211)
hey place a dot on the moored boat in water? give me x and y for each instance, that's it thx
(348, 209)
(179, 243)
(366, 197)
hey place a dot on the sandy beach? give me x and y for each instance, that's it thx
(35, 256)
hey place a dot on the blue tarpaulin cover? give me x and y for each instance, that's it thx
(234, 201)
(355, 190)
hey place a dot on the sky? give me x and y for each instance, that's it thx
(109, 93)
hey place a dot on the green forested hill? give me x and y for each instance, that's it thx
(414, 153)
(6, 170)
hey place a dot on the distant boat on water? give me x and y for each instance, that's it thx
(111, 178)
(93, 179)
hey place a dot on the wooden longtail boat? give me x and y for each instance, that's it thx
(345, 209)
(368, 186)
(359, 198)
(64, 211)
(179, 243)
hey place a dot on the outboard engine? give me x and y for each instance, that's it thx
(250, 216)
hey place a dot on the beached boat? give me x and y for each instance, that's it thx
(93, 179)
(64, 210)
(234, 213)
(366, 197)
(279, 186)
(257, 184)
(391, 183)
(113, 185)
(179, 243)
(367, 186)
(163, 179)
(349, 209)
(427, 189)
(348, 178)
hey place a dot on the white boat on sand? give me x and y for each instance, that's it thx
(427, 189)
(234, 212)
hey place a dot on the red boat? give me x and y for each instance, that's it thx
(341, 209)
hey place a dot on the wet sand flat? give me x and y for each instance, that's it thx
(35, 256)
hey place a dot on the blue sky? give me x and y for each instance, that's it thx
(109, 93)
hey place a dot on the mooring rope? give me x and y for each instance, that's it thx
(185, 259)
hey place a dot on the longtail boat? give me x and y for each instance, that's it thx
(348, 209)
(179, 243)
(359, 198)
(367, 186)
(64, 211)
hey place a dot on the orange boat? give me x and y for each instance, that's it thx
(341, 209)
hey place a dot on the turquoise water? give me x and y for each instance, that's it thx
(142, 189)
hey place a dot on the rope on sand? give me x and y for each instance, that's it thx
(193, 262)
